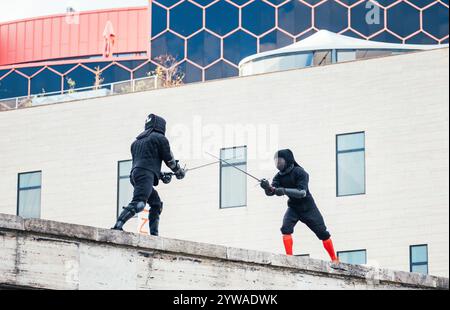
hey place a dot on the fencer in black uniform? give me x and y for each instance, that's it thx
(293, 181)
(148, 151)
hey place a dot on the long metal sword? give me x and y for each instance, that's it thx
(202, 166)
(195, 168)
(245, 172)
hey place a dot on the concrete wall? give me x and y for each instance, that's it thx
(401, 103)
(52, 255)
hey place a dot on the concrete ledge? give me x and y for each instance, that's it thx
(11, 222)
(48, 254)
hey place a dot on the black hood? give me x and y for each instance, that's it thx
(288, 156)
(157, 123)
(153, 123)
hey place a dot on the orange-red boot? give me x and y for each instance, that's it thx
(288, 243)
(328, 245)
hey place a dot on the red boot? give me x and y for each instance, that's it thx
(288, 243)
(328, 245)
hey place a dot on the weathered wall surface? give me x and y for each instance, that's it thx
(52, 255)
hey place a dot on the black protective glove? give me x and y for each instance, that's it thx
(268, 189)
(265, 185)
(166, 177)
(180, 173)
(280, 191)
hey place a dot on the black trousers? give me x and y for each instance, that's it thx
(142, 181)
(310, 216)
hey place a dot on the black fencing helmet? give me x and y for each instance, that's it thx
(155, 123)
(288, 157)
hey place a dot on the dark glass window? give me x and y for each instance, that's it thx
(168, 3)
(29, 194)
(115, 74)
(3, 72)
(331, 16)
(82, 78)
(367, 18)
(159, 19)
(144, 70)
(222, 17)
(30, 70)
(220, 70)
(403, 19)
(13, 85)
(204, 2)
(258, 17)
(387, 37)
(45, 82)
(240, 2)
(273, 40)
(191, 73)
(435, 20)
(168, 44)
(63, 68)
(131, 64)
(421, 38)
(238, 46)
(203, 48)
(95, 65)
(186, 18)
(294, 17)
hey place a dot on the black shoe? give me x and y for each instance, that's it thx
(118, 226)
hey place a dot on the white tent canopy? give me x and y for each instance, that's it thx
(326, 40)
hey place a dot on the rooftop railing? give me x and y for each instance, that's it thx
(122, 87)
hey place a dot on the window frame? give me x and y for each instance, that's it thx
(19, 189)
(352, 251)
(411, 264)
(337, 153)
(221, 165)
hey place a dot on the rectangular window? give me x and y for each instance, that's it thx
(124, 187)
(350, 164)
(418, 256)
(233, 183)
(357, 257)
(29, 195)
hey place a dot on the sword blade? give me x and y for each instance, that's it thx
(195, 168)
(203, 166)
(224, 161)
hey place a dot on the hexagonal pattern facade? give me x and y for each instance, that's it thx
(238, 28)
(17, 82)
(210, 37)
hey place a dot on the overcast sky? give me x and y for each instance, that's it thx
(18, 9)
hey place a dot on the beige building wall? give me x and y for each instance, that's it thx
(401, 103)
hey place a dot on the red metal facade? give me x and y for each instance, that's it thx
(66, 36)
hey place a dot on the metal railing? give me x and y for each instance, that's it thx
(122, 87)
